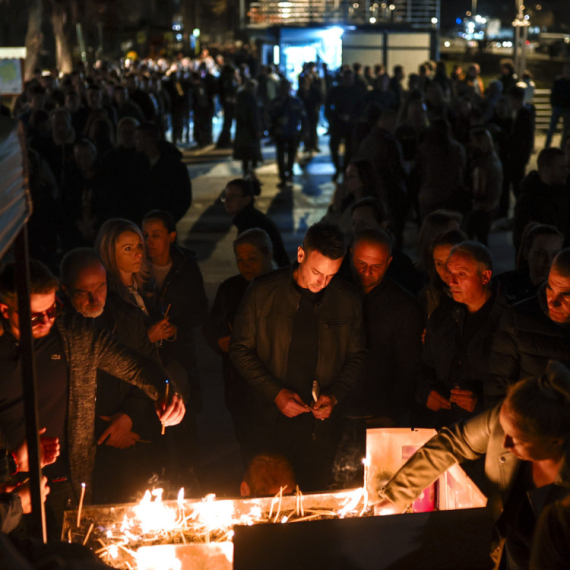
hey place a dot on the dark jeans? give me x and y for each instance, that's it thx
(286, 152)
(514, 172)
(225, 138)
(338, 135)
(310, 445)
(312, 138)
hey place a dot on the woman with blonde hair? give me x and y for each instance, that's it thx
(120, 244)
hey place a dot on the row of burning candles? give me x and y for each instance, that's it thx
(156, 521)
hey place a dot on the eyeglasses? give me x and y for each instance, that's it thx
(50, 314)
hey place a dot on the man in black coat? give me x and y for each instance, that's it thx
(394, 326)
(521, 140)
(124, 412)
(57, 149)
(544, 196)
(459, 337)
(168, 185)
(298, 341)
(532, 332)
(342, 113)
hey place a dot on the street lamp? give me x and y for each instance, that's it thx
(521, 24)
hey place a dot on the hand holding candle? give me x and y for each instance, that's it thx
(165, 396)
(170, 408)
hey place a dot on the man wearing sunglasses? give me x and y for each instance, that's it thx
(67, 357)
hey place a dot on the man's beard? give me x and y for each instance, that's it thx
(93, 313)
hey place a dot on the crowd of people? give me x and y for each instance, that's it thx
(352, 334)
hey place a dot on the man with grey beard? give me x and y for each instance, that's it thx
(124, 412)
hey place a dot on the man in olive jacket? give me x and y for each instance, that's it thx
(298, 341)
(67, 357)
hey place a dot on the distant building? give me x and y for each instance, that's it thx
(337, 32)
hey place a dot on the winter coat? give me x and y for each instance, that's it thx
(525, 341)
(87, 349)
(442, 343)
(263, 326)
(394, 328)
(247, 143)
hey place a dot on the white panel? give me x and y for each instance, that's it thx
(363, 56)
(409, 40)
(410, 59)
(356, 39)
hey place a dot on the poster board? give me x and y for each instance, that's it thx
(11, 76)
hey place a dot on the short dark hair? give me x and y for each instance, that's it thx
(378, 207)
(476, 251)
(42, 280)
(268, 471)
(547, 156)
(374, 236)
(75, 261)
(165, 217)
(248, 186)
(562, 262)
(150, 130)
(325, 238)
(532, 231)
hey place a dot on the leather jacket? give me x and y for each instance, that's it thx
(263, 326)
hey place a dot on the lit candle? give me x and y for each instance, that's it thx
(165, 402)
(80, 505)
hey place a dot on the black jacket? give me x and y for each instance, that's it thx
(542, 203)
(125, 322)
(394, 328)
(183, 290)
(168, 186)
(442, 344)
(249, 217)
(219, 325)
(525, 341)
(262, 331)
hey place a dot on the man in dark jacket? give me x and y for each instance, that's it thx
(342, 113)
(560, 103)
(124, 412)
(57, 150)
(394, 327)
(67, 357)
(532, 333)
(384, 151)
(544, 196)
(298, 341)
(520, 143)
(288, 123)
(168, 185)
(459, 337)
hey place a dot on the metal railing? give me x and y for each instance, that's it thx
(422, 14)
